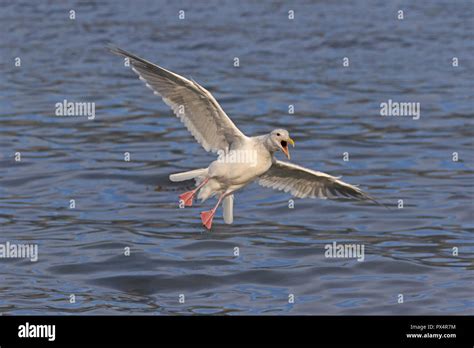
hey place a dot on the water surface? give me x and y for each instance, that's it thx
(283, 62)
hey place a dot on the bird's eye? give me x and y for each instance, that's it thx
(278, 134)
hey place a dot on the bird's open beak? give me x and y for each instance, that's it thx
(285, 149)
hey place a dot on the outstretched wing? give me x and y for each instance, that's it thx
(191, 103)
(302, 182)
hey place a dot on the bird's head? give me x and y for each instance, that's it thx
(279, 140)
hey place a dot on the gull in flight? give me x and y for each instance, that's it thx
(242, 159)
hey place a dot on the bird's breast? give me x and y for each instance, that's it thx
(240, 166)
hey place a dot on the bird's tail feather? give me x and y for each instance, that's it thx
(228, 205)
(192, 174)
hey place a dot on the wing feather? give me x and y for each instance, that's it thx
(191, 103)
(302, 182)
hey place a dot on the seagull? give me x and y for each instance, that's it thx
(241, 159)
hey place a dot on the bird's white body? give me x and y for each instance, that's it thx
(242, 159)
(237, 168)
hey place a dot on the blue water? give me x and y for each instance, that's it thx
(132, 204)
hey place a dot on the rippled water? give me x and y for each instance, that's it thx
(132, 204)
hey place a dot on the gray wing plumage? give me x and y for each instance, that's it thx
(302, 182)
(191, 103)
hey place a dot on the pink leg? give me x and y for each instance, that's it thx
(207, 216)
(187, 197)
